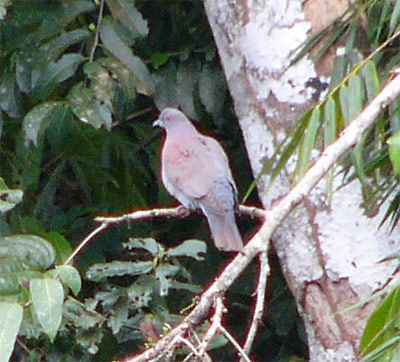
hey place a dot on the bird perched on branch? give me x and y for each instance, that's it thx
(195, 170)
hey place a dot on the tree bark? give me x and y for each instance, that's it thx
(329, 254)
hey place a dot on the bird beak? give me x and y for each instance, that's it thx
(158, 123)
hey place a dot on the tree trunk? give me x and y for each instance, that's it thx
(329, 254)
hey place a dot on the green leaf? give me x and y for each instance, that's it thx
(185, 286)
(308, 143)
(10, 99)
(47, 298)
(118, 268)
(158, 59)
(113, 42)
(54, 73)
(381, 325)
(394, 152)
(187, 78)
(80, 315)
(165, 87)
(356, 96)
(140, 292)
(212, 88)
(61, 244)
(383, 18)
(394, 19)
(371, 79)
(329, 137)
(10, 321)
(126, 12)
(394, 112)
(87, 108)
(37, 120)
(163, 274)
(35, 252)
(101, 83)
(148, 244)
(126, 79)
(70, 276)
(1, 123)
(55, 47)
(192, 248)
(8, 198)
(344, 103)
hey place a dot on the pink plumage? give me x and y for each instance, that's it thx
(195, 170)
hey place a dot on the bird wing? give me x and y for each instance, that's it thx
(197, 170)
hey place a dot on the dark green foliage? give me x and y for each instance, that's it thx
(76, 142)
(380, 340)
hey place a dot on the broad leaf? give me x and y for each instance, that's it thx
(54, 48)
(212, 89)
(10, 99)
(165, 87)
(140, 292)
(114, 43)
(192, 248)
(185, 286)
(8, 198)
(126, 12)
(148, 244)
(118, 268)
(101, 83)
(87, 108)
(47, 298)
(10, 321)
(163, 274)
(54, 73)
(81, 315)
(187, 78)
(125, 78)
(70, 276)
(35, 252)
(36, 121)
(394, 151)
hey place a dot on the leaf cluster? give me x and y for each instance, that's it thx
(80, 83)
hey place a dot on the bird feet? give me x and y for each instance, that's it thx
(183, 211)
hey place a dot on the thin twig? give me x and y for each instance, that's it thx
(141, 215)
(189, 344)
(96, 35)
(235, 343)
(85, 241)
(215, 325)
(259, 308)
(252, 211)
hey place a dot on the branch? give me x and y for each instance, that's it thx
(259, 308)
(96, 36)
(179, 211)
(215, 325)
(259, 242)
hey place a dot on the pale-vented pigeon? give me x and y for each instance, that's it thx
(195, 170)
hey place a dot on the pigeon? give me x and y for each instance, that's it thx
(195, 170)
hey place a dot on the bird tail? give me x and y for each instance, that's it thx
(225, 232)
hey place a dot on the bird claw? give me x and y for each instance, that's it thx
(183, 211)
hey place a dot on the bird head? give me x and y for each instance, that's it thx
(170, 118)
